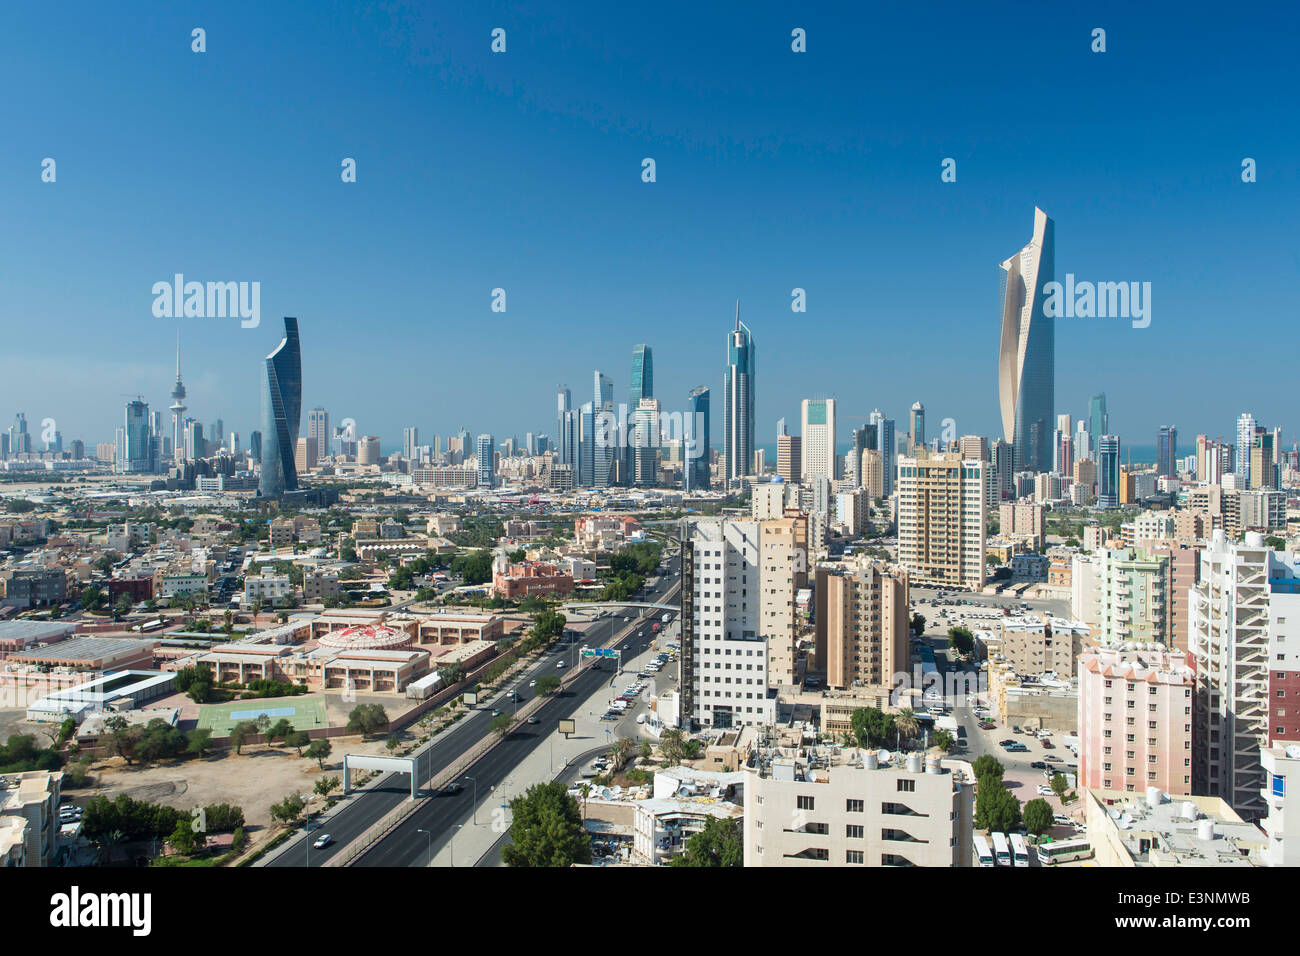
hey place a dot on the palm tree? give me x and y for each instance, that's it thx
(672, 746)
(906, 724)
(109, 842)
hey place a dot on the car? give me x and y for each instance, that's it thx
(1061, 820)
(1046, 743)
(1015, 730)
(1038, 765)
(1052, 758)
(532, 720)
(452, 789)
(559, 665)
(496, 713)
(532, 683)
(323, 841)
(1045, 791)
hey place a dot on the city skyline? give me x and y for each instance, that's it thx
(825, 213)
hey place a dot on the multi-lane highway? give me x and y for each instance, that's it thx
(405, 846)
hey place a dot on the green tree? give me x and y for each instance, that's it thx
(672, 746)
(185, 839)
(1059, 785)
(918, 623)
(1038, 816)
(297, 740)
(547, 685)
(198, 741)
(367, 719)
(718, 844)
(944, 740)
(872, 727)
(288, 809)
(319, 751)
(501, 723)
(280, 729)
(996, 807)
(240, 733)
(121, 607)
(325, 785)
(987, 766)
(961, 640)
(906, 724)
(546, 829)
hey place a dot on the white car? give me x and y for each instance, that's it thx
(323, 841)
(532, 683)
(1045, 791)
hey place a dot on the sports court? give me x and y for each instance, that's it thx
(305, 713)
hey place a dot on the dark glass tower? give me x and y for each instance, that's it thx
(738, 404)
(281, 408)
(695, 470)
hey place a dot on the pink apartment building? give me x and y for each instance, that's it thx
(1135, 719)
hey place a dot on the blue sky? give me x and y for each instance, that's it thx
(521, 170)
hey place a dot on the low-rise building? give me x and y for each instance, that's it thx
(34, 797)
(1148, 829)
(853, 810)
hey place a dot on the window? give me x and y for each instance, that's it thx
(854, 806)
(805, 803)
(853, 856)
(906, 786)
(854, 832)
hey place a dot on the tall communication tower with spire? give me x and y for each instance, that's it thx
(178, 407)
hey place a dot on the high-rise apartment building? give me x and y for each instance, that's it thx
(318, 427)
(137, 452)
(411, 443)
(1229, 638)
(304, 458)
(872, 469)
(281, 414)
(1245, 438)
(1027, 355)
(885, 443)
(818, 438)
(863, 623)
(941, 524)
(783, 571)
(724, 680)
(738, 403)
(789, 458)
(485, 449)
(645, 443)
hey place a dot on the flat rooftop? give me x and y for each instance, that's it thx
(89, 649)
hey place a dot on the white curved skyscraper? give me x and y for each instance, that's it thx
(1027, 353)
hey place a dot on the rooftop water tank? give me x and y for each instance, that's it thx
(1154, 796)
(932, 764)
(1189, 810)
(1205, 829)
(913, 763)
(869, 760)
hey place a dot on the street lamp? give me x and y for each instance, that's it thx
(475, 782)
(429, 834)
(453, 842)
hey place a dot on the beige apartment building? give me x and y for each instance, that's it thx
(855, 811)
(783, 570)
(1023, 517)
(1034, 645)
(941, 525)
(863, 623)
(873, 473)
(789, 458)
(33, 797)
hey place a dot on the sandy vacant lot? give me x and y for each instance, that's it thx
(253, 780)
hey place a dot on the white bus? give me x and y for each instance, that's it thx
(1019, 852)
(1001, 849)
(982, 851)
(1064, 851)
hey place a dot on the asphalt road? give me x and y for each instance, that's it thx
(368, 807)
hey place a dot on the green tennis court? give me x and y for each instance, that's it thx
(305, 713)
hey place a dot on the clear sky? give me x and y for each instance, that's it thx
(522, 170)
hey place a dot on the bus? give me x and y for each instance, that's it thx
(1019, 852)
(1064, 851)
(1001, 849)
(982, 851)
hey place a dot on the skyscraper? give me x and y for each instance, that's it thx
(563, 406)
(1167, 451)
(1098, 421)
(137, 456)
(318, 427)
(645, 443)
(738, 403)
(885, 444)
(485, 449)
(1245, 436)
(818, 438)
(696, 447)
(411, 443)
(917, 428)
(178, 407)
(281, 414)
(1027, 356)
(1108, 471)
(643, 375)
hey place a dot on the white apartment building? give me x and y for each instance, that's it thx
(724, 676)
(941, 525)
(1229, 641)
(818, 439)
(269, 586)
(1281, 765)
(855, 811)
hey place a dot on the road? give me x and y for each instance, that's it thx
(366, 808)
(422, 835)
